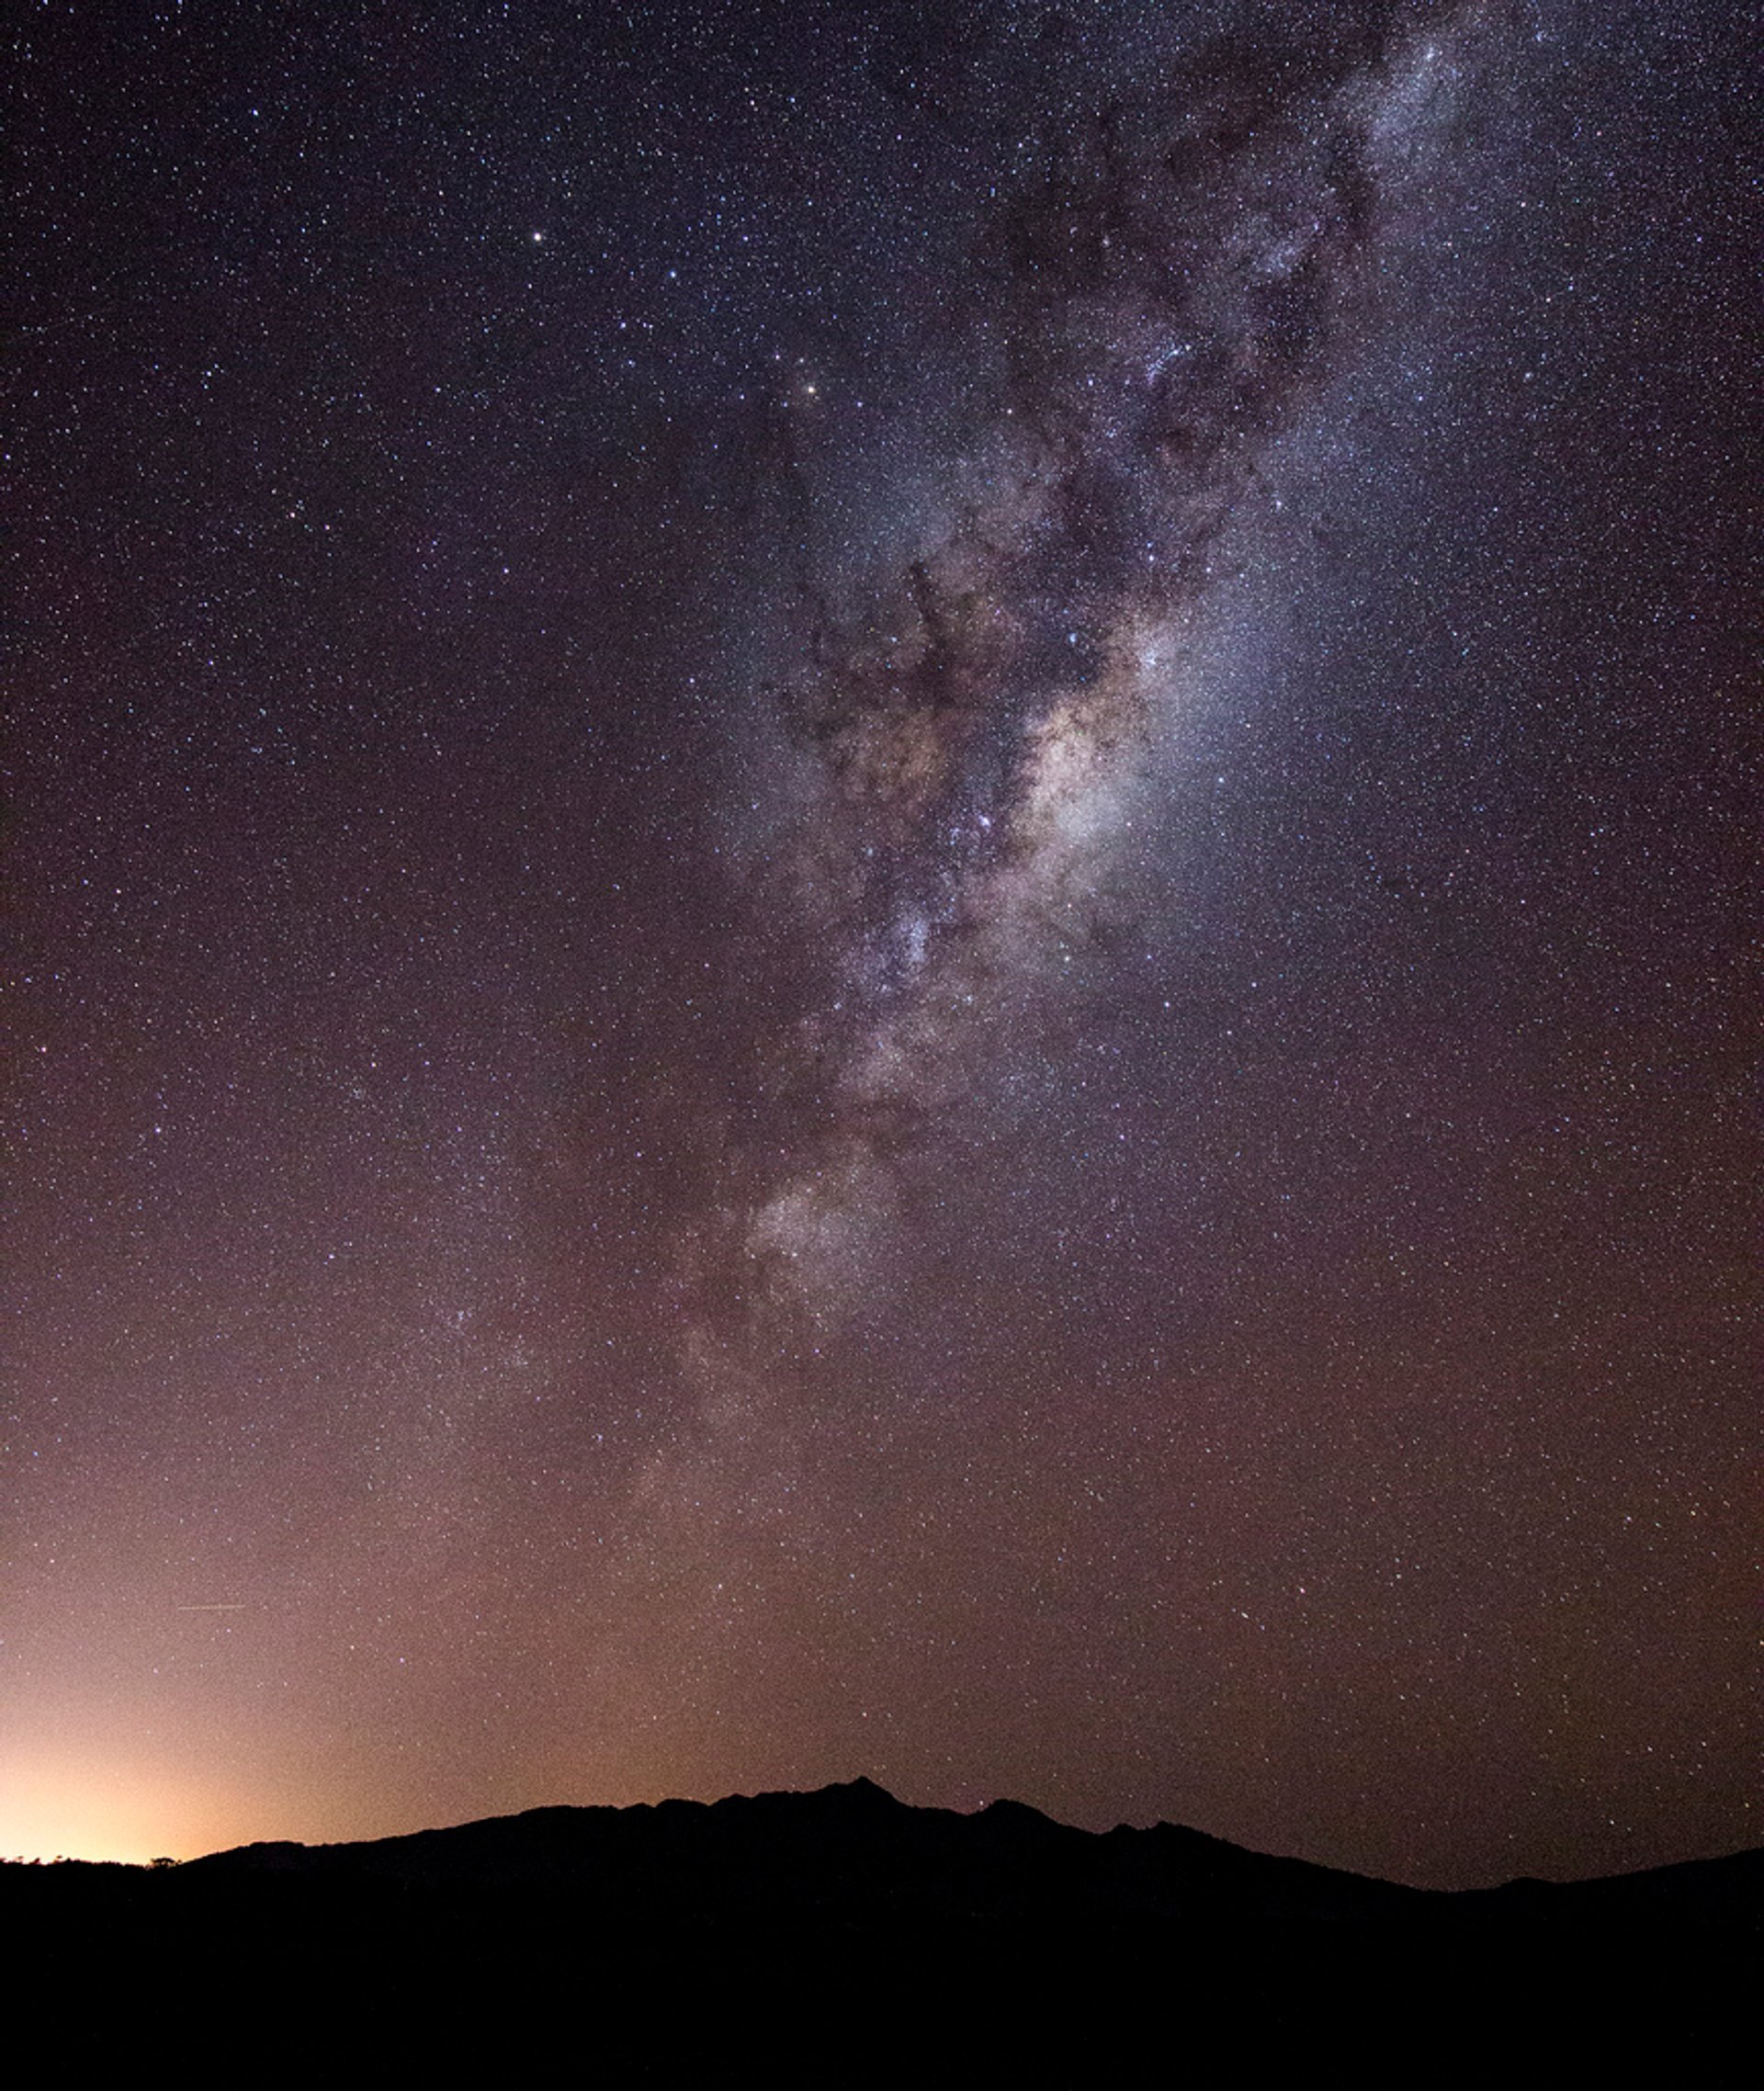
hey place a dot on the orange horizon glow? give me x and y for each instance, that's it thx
(129, 1804)
(100, 1809)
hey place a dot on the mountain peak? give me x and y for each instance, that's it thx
(861, 1789)
(1007, 1811)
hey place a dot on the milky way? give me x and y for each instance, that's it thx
(1149, 309)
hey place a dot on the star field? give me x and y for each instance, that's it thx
(882, 899)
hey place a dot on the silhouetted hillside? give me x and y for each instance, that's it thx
(842, 1936)
(852, 1850)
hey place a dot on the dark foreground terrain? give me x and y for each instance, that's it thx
(841, 1938)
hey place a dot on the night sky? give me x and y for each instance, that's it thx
(882, 885)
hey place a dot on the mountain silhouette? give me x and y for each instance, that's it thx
(852, 1848)
(844, 1936)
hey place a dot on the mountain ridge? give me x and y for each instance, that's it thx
(844, 1936)
(837, 1840)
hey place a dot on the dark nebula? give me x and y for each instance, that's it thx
(883, 885)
